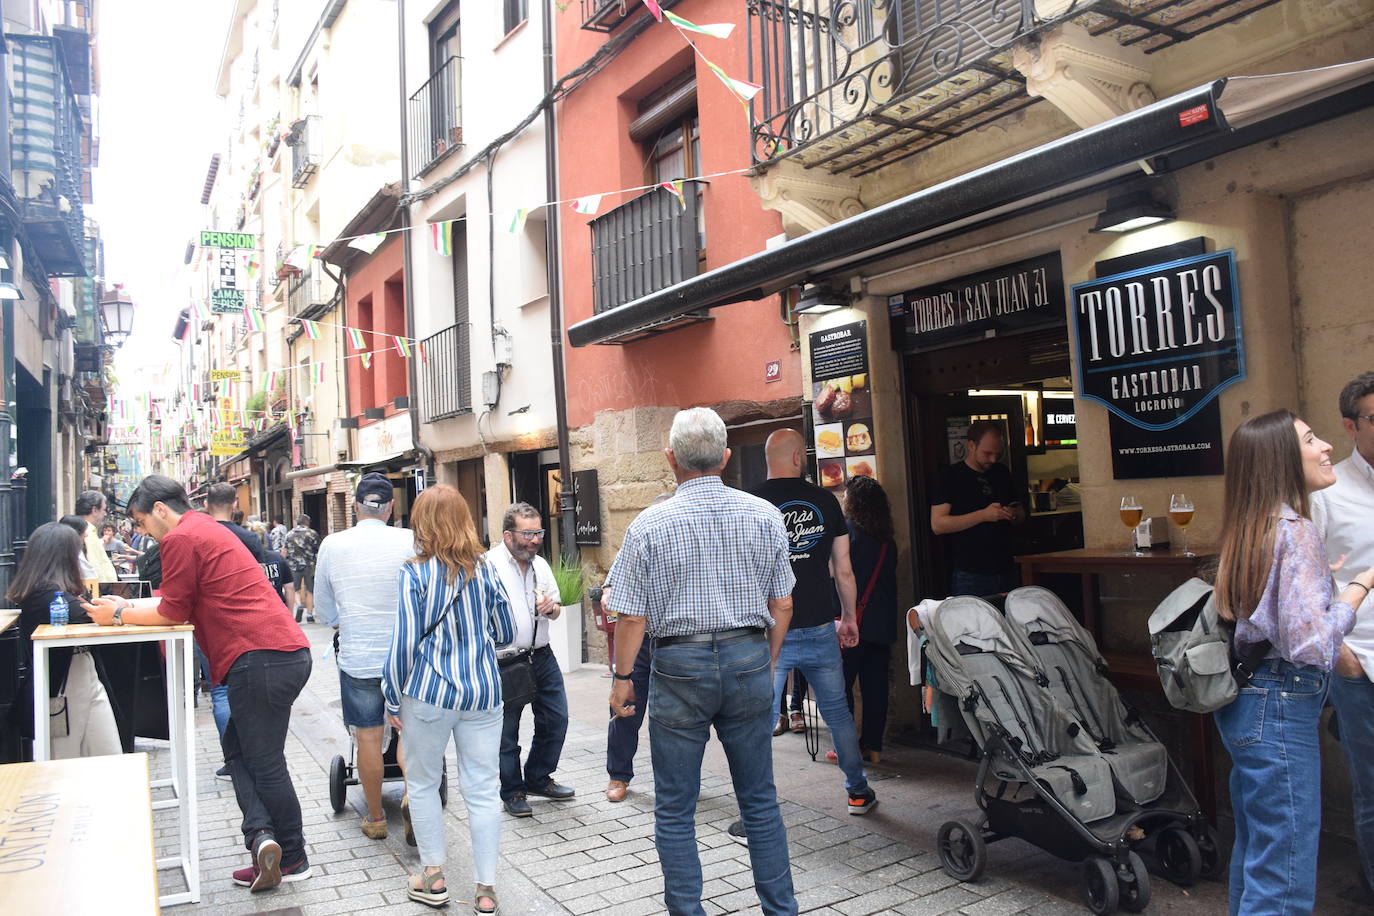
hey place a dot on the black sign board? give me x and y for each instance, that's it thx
(1157, 344)
(587, 508)
(842, 428)
(1014, 297)
(1190, 449)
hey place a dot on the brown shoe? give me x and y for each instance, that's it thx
(374, 830)
(615, 790)
(781, 727)
(798, 723)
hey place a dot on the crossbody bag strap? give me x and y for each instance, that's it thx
(868, 589)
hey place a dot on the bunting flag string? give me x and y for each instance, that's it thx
(441, 235)
(517, 221)
(253, 319)
(355, 337)
(674, 187)
(716, 30)
(587, 205)
(402, 346)
(368, 243)
(311, 328)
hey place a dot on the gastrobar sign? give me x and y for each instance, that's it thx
(1157, 344)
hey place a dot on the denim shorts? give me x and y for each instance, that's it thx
(363, 705)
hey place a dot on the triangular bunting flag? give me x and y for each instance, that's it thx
(588, 205)
(311, 328)
(674, 187)
(441, 236)
(740, 89)
(718, 30)
(403, 346)
(355, 337)
(517, 220)
(366, 359)
(420, 351)
(253, 318)
(654, 9)
(368, 243)
(318, 373)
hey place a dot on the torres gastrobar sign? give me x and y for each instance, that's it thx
(1157, 344)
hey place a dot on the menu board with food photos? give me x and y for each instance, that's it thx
(842, 405)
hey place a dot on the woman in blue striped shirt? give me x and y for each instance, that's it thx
(441, 680)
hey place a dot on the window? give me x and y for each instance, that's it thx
(516, 12)
(444, 35)
(669, 133)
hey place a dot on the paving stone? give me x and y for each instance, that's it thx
(1007, 902)
(945, 901)
(881, 900)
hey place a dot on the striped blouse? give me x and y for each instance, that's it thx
(455, 666)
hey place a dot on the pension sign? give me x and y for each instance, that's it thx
(1157, 344)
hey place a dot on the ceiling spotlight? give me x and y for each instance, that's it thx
(1132, 211)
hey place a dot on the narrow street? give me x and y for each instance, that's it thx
(591, 856)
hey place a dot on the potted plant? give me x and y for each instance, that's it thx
(565, 633)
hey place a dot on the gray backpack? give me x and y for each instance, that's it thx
(1193, 650)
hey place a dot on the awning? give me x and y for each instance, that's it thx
(311, 472)
(1216, 117)
(383, 461)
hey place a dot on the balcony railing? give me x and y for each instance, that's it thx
(306, 292)
(305, 143)
(852, 85)
(605, 15)
(642, 246)
(46, 153)
(446, 374)
(436, 117)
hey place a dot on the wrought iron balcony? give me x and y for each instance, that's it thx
(446, 374)
(644, 245)
(605, 15)
(852, 86)
(436, 117)
(46, 153)
(306, 294)
(306, 144)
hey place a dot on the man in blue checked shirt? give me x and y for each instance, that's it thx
(706, 575)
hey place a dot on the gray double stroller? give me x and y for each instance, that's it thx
(1064, 764)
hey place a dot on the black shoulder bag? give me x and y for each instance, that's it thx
(517, 671)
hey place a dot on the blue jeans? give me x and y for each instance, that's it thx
(622, 734)
(963, 582)
(550, 728)
(692, 687)
(477, 736)
(815, 652)
(1270, 731)
(219, 694)
(1353, 698)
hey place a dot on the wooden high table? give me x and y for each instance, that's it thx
(1133, 671)
(76, 836)
(180, 658)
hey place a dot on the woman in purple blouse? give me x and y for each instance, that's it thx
(1273, 582)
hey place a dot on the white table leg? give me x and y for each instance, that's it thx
(190, 820)
(42, 739)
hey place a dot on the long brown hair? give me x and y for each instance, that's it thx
(1263, 473)
(443, 530)
(866, 505)
(50, 561)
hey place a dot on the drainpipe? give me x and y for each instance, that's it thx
(566, 508)
(412, 370)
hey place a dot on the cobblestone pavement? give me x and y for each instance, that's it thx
(590, 856)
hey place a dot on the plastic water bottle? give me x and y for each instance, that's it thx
(57, 611)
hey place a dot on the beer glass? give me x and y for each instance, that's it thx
(1181, 514)
(1131, 514)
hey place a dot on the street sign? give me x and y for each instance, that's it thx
(224, 375)
(209, 238)
(226, 300)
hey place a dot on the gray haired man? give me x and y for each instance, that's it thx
(707, 576)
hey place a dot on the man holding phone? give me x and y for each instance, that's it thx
(533, 595)
(975, 504)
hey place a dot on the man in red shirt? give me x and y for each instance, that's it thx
(209, 579)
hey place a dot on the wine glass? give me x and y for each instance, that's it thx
(1181, 514)
(1131, 514)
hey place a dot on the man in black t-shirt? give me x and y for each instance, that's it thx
(819, 542)
(974, 504)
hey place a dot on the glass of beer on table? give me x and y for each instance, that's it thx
(1181, 514)
(1131, 514)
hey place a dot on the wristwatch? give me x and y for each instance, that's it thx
(621, 677)
(119, 615)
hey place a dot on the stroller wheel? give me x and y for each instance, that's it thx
(443, 788)
(1213, 856)
(338, 783)
(1180, 858)
(1100, 886)
(1133, 884)
(963, 852)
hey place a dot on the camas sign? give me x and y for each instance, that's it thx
(1158, 343)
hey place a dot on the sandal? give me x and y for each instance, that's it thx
(426, 893)
(484, 890)
(405, 816)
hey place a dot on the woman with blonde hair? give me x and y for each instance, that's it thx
(441, 681)
(1274, 584)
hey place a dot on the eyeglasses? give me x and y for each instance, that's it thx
(530, 535)
(1367, 417)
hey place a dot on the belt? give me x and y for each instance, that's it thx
(718, 637)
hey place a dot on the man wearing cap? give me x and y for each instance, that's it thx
(534, 602)
(356, 573)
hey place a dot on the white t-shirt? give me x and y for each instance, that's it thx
(531, 628)
(1344, 513)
